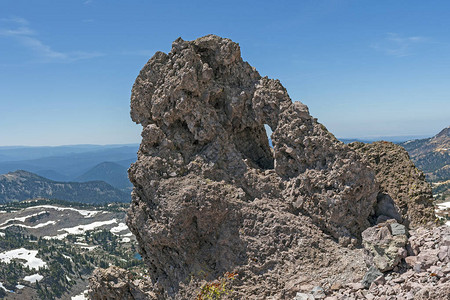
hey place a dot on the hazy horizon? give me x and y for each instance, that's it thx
(392, 138)
(68, 67)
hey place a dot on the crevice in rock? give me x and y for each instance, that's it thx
(269, 134)
(254, 145)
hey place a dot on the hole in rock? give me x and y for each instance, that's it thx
(253, 143)
(269, 134)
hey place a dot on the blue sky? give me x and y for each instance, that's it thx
(364, 68)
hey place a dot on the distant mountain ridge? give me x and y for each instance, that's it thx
(22, 185)
(393, 139)
(432, 155)
(110, 172)
(69, 163)
(17, 153)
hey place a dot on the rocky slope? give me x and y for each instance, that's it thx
(23, 185)
(60, 243)
(421, 268)
(400, 181)
(215, 210)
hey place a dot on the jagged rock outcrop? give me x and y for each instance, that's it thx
(211, 196)
(400, 180)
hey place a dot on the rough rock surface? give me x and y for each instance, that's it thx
(400, 180)
(117, 283)
(425, 274)
(211, 196)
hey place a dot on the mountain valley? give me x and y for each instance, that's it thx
(22, 185)
(49, 248)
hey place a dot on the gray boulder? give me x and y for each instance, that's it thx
(384, 248)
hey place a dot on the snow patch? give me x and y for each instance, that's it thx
(84, 213)
(85, 246)
(2, 234)
(23, 254)
(19, 286)
(33, 278)
(22, 219)
(119, 228)
(2, 287)
(32, 227)
(68, 257)
(444, 205)
(81, 229)
(56, 237)
(81, 296)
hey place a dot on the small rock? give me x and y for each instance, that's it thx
(303, 296)
(355, 286)
(380, 280)
(318, 292)
(336, 286)
(402, 253)
(369, 296)
(398, 229)
(417, 268)
(443, 253)
(411, 261)
(370, 276)
(399, 280)
(428, 258)
(359, 295)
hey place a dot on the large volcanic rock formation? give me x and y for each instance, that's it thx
(210, 195)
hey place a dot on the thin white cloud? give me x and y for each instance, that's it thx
(17, 20)
(40, 48)
(396, 45)
(18, 29)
